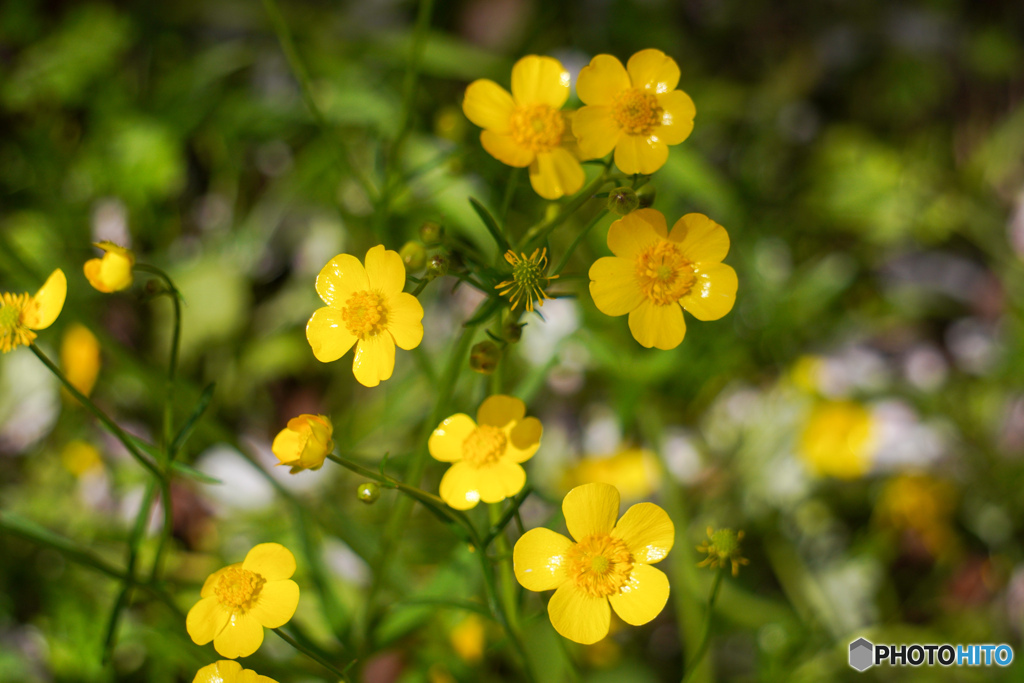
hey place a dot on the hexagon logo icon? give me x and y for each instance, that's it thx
(862, 654)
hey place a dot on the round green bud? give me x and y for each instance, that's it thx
(414, 256)
(431, 233)
(512, 331)
(368, 492)
(646, 195)
(622, 200)
(437, 266)
(484, 357)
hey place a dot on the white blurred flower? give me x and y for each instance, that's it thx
(241, 487)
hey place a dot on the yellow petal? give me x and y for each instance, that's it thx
(639, 154)
(700, 238)
(540, 80)
(375, 360)
(596, 131)
(240, 638)
(590, 509)
(272, 561)
(653, 70)
(205, 620)
(224, 671)
(660, 327)
(499, 410)
(385, 270)
(405, 314)
(676, 117)
(556, 173)
(614, 286)
(539, 559)
(648, 532)
(276, 603)
(212, 579)
(47, 303)
(525, 439)
(341, 278)
(636, 231)
(328, 335)
(580, 617)
(288, 445)
(642, 597)
(501, 480)
(80, 357)
(601, 80)
(460, 486)
(445, 444)
(714, 293)
(488, 105)
(502, 147)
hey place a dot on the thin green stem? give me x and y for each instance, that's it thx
(498, 526)
(705, 638)
(165, 534)
(506, 582)
(172, 363)
(421, 286)
(538, 233)
(498, 610)
(286, 637)
(576, 241)
(506, 201)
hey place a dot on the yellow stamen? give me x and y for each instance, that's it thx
(528, 278)
(484, 446)
(537, 127)
(637, 111)
(600, 565)
(663, 274)
(237, 588)
(365, 314)
(13, 332)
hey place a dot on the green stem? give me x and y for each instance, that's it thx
(535, 235)
(311, 654)
(498, 526)
(705, 638)
(498, 610)
(506, 580)
(576, 241)
(506, 202)
(421, 286)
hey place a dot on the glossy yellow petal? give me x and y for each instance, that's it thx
(596, 131)
(224, 671)
(714, 293)
(636, 231)
(47, 303)
(445, 443)
(112, 272)
(205, 620)
(328, 335)
(499, 410)
(80, 357)
(242, 636)
(590, 509)
(272, 561)
(212, 579)
(578, 616)
(539, 559)
(385, 271)
(343, 276)
(540, 80)
(501, 480)
(642, 597)
(653, 70)
(639, 154)
(525, 439)
(276, 603)
(601, 80)
(288, 445)
(614, 286)
(405, 315)
(648, 532)
(488, 105)
(505, 149)
(556, 173)
(460, 486)
(375, 360)
(660, 327)
(677, 117)
(700, 239)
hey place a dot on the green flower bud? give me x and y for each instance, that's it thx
(484, 357)
(646, 195)
(437, 266)
(368, 492)
(512, 331)
(622, 200)
(431, 233)
(414, 256)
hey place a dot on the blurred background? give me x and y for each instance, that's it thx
(859, 414)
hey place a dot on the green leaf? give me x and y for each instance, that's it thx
(193, 473)
(186, 430)
(490, 224)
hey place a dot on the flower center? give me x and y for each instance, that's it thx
(484, 446)
(238, 588)
(600, 565)
(13, 332)
(664, 274)
(538, 127)
(365, 314)
(637, 111)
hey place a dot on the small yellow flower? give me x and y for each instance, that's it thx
(838, 440)
(80, 357)
(723, 549)
(366, 308)
(80, 457)
(486, 453)
(528, 278)
(112, 272)
(227, 671)
(526, 128)
(304, 443)
(241, 599)
(656, 274)
(921, 505)
(20, 314)
(633, 471)
(610, 563)
(469, 638)
(634, 110)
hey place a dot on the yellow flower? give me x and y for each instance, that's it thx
(80, 357)
(526, 128)
(922, 506)
(656, 274)
(486, 453)
(241, 599)
(723, 549)
(608, 563)
(227, 671)
(633, 471)
(634, 110)
(80, 457)
(528, 278)
(304, 443)
(112, 272)
(838, 440)
(20, 314)
(469, 638)
(366, 308)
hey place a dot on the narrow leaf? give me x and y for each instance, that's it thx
(186, 429)
(490, 224)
